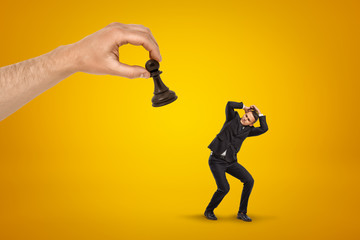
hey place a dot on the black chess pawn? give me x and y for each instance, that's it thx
(162, 94)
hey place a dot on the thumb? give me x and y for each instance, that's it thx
(124, 70)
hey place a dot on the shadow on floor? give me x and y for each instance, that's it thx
(254, 217)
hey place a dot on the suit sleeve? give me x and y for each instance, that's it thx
(230, 106)
(256, 131)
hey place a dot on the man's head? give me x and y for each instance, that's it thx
(249, 118)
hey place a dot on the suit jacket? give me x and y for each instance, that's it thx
(233, 134)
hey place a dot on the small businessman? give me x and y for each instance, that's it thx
(223, 157)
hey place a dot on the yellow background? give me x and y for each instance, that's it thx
(92, 159)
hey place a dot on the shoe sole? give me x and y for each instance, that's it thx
(244, 220)
(210, 218)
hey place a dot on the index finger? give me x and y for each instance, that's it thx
(138, 38)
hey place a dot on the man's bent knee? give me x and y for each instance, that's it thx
(224, 190)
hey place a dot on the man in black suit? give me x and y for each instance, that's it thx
(225, 147)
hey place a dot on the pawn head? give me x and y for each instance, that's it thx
(152, 65)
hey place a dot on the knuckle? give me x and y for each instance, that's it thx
(117, 30)
(116, 26)
(146, 29)
(113, 24)
(145, 36)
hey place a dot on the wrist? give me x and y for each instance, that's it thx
(64, 60)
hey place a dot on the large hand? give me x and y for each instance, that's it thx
(98, 53)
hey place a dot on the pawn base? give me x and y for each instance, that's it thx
(163, 98)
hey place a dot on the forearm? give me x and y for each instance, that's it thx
(230, 106)
(235, 105)
(260, 130)
(263, 124)
(23, 81)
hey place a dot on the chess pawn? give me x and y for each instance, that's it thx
(162, 94)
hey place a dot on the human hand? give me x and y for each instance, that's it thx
(98, 53)
(253, 107)
(247, 109)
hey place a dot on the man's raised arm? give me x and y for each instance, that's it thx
(263, 124)
(230, 106)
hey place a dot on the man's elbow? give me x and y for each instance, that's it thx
(228, 106)
(265, 129)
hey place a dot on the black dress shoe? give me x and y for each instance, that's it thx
(210, 215)
(244, 217)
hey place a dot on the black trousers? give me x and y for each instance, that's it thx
(218, 168)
